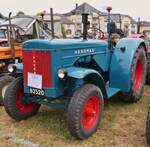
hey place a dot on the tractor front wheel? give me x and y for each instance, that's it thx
(14, 102)
(4, 83)
(148, 128)
(138, 76)
(85, 111)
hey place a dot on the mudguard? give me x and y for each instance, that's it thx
(121, 63)
(92, 75)
(79, 73)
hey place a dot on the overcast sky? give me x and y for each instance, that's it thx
(134, 8)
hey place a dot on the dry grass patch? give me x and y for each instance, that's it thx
(123, 125)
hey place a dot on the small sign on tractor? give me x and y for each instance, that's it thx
(77, 74)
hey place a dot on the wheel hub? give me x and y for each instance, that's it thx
(23, 107)
(138, 75)
(91, 111)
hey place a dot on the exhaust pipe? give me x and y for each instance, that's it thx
(85, 25)
(109, 20)
(10, 36)
(52, 22)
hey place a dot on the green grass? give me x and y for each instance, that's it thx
(123, 125)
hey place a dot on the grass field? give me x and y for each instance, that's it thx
(123, 125)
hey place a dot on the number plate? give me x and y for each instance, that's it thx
(38, 92)
(34, 80)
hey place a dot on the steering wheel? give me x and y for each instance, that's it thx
(95, 33)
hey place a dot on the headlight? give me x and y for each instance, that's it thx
(11, 68)
(62, 73)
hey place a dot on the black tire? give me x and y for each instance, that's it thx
(148, 128)
(134, 95)
(77, 109)
(4, 82)
(13, 103)
(148, 70)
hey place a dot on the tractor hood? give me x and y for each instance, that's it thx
(39, 44)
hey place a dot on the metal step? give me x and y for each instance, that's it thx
(112, 91)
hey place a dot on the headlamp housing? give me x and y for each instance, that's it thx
(62, 73)
(11, 68)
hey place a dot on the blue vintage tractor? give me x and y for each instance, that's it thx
(77, 74)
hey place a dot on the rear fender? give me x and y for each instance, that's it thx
(121, 63)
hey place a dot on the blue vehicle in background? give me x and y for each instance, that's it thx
(77, 74)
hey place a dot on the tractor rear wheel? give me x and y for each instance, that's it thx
(85, 111)
(138, 77)
(148, 70)
(14, 102)
(148, 128)
(4, 83)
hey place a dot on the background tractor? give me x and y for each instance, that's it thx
(3, 37)
(77, 74)
(13, 33)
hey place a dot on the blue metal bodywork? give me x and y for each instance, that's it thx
(112, 67)
(121, 63)
(79, 73)
(19, 66)
(64, 55)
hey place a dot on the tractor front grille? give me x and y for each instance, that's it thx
(38, 62)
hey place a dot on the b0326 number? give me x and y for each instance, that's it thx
(38, 92)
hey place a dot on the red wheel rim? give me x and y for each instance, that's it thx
(25, 108)
(91, 112)
(138, 75)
